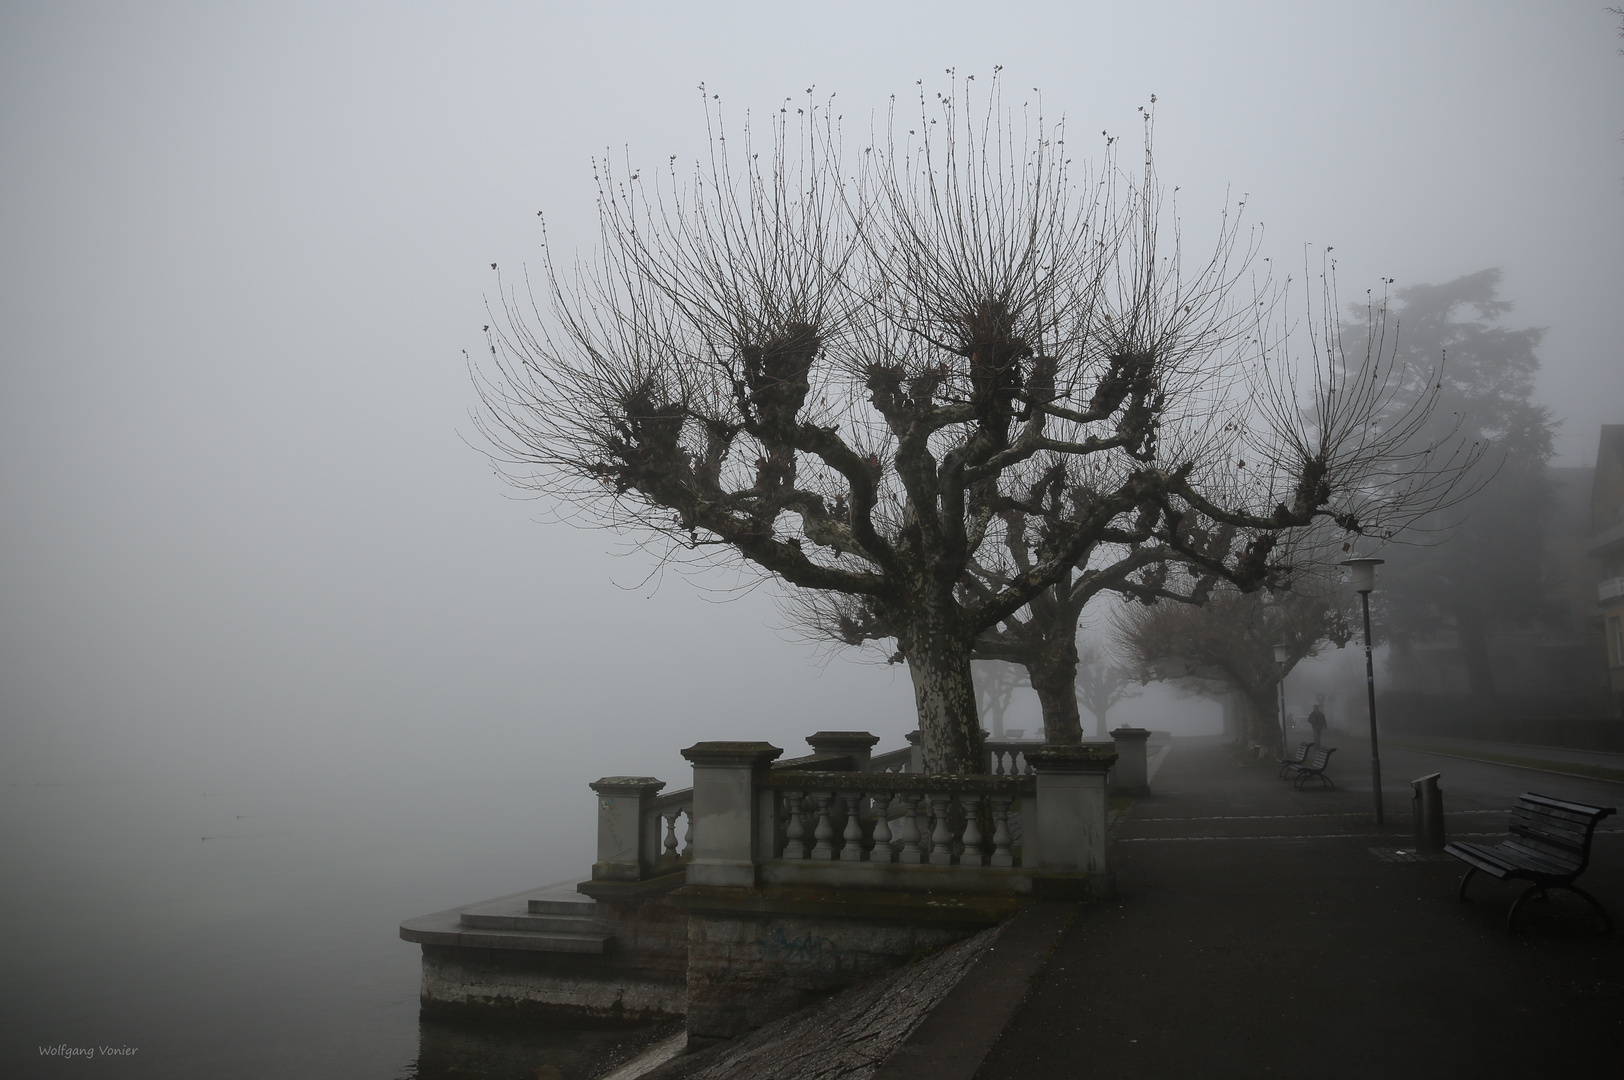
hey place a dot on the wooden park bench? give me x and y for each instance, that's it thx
(1289, 764)
(1314, 768)
(1549, 846)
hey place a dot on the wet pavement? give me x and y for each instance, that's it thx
(1265, 931)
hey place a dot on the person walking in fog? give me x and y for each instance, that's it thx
(1316, 720)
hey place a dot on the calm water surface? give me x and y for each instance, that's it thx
(248, 930)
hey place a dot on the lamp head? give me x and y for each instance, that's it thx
(1362, 573)
(1281, 654)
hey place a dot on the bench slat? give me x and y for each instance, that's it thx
(1564, 839)
(1542, 861)
(1593, 812)
(1552, 820)
(1497, 862)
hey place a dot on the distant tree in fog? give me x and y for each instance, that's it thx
(865, 377)
(1227, 645)
(1479, 564)
(996, 683)
(1102, 682)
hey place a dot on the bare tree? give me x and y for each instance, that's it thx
(996, 683)
(855, 378)
(1103, 682)
(1228, 645)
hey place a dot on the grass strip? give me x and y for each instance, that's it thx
(1572, 768)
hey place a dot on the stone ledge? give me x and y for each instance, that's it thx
(909, 907)
(446, 928)
(633, 890)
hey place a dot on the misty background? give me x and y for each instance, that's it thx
(256, 586)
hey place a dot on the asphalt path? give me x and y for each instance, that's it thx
(1263, 931)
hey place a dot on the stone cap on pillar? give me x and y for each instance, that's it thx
(1071, 759)
(635, 786)
(839, 742)
(753, 755)
(1128, 734)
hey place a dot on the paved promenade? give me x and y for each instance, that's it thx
(1262, 931)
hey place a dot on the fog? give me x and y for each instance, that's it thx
(245, 538)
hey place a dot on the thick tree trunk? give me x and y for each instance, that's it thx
(1056, 684)
(1263, 719)
(938, 654)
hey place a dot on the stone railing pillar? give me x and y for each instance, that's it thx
(621, 801)
(916, 752)
(1068, 833)
(1133, 763)
(725, 821)
(858, 745)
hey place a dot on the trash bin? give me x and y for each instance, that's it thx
(1428, 805)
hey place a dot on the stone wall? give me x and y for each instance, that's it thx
(641, 977)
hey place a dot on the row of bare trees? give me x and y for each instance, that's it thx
(948, 388)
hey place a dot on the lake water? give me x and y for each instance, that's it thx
(248, 930)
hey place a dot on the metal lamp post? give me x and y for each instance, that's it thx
(1362, 576)
(1281, 657)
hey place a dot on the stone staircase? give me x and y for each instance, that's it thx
(554, 918)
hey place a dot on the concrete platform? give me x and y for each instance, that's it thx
(553, 918)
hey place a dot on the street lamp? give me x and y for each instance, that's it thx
(1281, 657)
(1362, 576)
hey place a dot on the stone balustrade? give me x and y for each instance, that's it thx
(895, 818)
(1007, 757)
(772, 882)
(844, 817)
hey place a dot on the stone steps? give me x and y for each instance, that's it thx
(552, 924)
(554, 918)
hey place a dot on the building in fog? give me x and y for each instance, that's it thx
(1606, 550)
(1559, 663)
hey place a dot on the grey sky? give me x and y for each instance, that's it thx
(244, 247)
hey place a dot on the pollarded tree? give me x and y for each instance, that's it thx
(844, 375)
(995, 683)
(1139, 560)
(1102, 682)
(1228, 644)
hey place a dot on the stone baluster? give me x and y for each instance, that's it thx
(972, 854)
(1001, 839)
(922, 823)
(794, 828)
(688, 832)
(941, 837)
(669, 856)
(851, 846)
(911, 852)
(881, 852)
(823, 832)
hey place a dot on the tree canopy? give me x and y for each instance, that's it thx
(1227, 645)
(925, 383)
(1480, 564)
